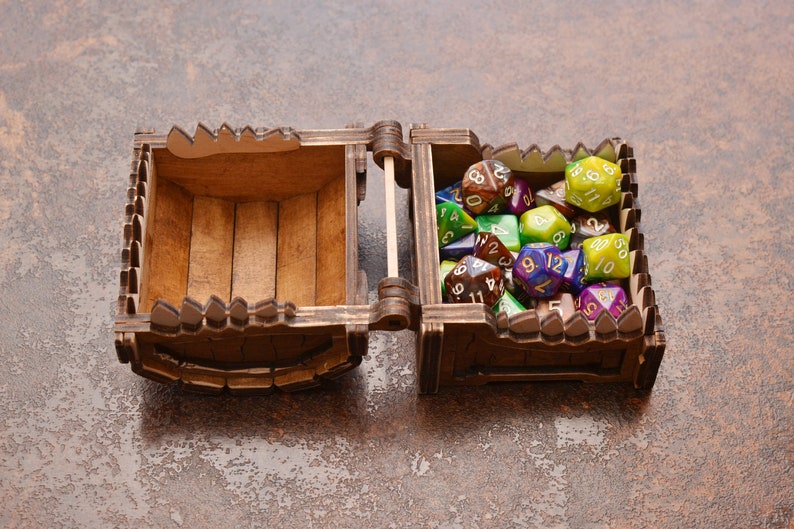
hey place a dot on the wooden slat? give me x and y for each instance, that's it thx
(331, 247)
(167, 245)
(255, 243)
(296, 269)
(211, 246)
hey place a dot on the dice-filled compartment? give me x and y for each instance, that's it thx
(461, 344)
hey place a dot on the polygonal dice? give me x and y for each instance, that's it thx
(592, 183)
(545, 224)
(539, 269)
(458, 248)
(503, 226)
(453, 193)
(522, 198)
(606, 257)
(584, 226)
(554, 195)
(474, 281)
(600, 297)
(508, 304)
(453, 222)
(489, 247)
(573, 280)
(444, 268)
(487, 185)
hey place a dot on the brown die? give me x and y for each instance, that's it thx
(474, 281)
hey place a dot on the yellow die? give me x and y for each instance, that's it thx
(592, 183)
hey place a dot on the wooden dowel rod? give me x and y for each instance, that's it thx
(391, 218)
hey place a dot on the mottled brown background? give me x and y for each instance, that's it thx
(705, 95)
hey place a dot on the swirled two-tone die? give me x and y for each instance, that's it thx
(487, 186)
(601, 297)
(474, 281)
(453, 223)
(489, 247)
(539, 269)
(586, 225)
(544, 224)
(592, 183)
(606, 257)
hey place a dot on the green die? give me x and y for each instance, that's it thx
(545, 224)
(592, 183)
(508, 304)
(453, 222)
(444, 268)
(606, 257)
(505, 227)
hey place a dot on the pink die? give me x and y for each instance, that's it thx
(602, 296)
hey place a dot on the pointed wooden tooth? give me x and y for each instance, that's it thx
(580, 152)
(192, 313)
(289, 309)
(649, 317)
(630, 320)
(179, 142)
(164, 315)
(577, 325)
(525, 322)
(137, 228)
(605, 323)
(606, 150)
(135, 254)
(238, 310)
(265, 309)
(133, 284)
(552, 324)
(502, 320)
(143, 171)
(215, 310)
(140, 206)
(555, 160)
(132, 304)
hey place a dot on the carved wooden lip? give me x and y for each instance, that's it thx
(535, 159)
(229, 140)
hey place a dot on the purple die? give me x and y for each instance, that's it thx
(457, 249)
(573, 280)
(539, 269)
(522, 199)
(600, 297)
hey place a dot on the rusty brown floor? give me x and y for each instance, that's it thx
(705, 95)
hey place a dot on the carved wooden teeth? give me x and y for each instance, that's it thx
(535, 159)
(215, 315)
(227, 139)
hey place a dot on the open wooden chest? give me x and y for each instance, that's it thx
(240, 265)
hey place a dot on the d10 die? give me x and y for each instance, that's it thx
(600, 297)
(606, 257)
(453, 223)
(522, 198)
(545, 224)
(474, 281)
(489, 247)
(592, 183)
(588, 225)
(539, 269)
(503, 226)
(487, 186)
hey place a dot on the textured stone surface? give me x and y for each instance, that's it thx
(703, 92)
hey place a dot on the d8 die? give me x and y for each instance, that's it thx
(544, 224)
(489, 247)
(606, 257)
(487, 186)
(539, 269)
(503, 226)
(600, 297)
(453, 222)
(592, 183)
(474, 281)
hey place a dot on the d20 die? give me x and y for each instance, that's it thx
(592, 183)
(539, 269)
(522, 198)
(545, 224)
(586, 225)
(489, 247)
(600, 297)
(474, 281)
(453, 223)
(487, 185)
(606, 257)
(503, 226)
(554, 195)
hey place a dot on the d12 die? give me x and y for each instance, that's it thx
(584, 226)
(592, 183)
(545, 224)
(489, 247)
(474, 281)
(606, 257)
(600, 297)
(503, 226)
(453, 223)
(487, 186)
(539, 269)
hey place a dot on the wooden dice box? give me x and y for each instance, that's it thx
(240, 265)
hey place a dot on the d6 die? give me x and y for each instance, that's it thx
(487, 185)
(539, 269)
(592, 183)
(474, 281)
